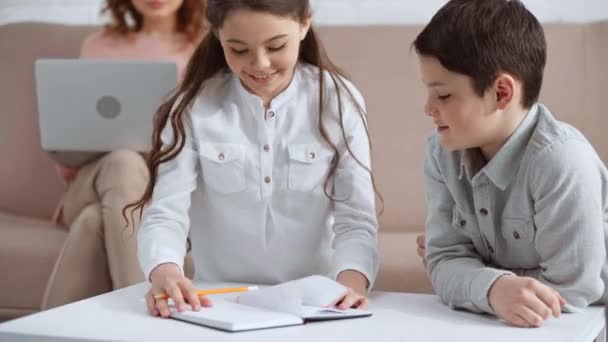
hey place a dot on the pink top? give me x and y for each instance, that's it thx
(139, 46)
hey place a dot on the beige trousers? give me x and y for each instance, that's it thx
(100, 252)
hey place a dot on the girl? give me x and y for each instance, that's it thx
(263, 151)
(97, 257)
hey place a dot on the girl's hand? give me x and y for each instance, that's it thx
(355, 297)
(167, 278)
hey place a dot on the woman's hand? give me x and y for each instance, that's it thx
(66, 173)
(167, 278)
(355, 297)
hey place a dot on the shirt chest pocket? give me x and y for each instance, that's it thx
(308, 166)
(223, 166)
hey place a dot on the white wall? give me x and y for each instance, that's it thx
(326, 12)
(60, 11)
(420, 11)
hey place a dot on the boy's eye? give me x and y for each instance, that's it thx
(237, 51)
(277, 48)
(443, 97)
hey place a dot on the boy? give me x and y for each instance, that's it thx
(516, 199)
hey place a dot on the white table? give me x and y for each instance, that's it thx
(121, 315)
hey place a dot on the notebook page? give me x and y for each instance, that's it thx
(290, 296)
(315, 313)
(230, 316)
(279, 298)
(320, 291)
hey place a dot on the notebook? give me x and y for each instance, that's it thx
(292, 303)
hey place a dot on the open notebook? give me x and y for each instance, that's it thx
(290, 303)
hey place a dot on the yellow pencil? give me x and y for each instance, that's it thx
(213, 291)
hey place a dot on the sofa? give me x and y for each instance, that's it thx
(382, 65)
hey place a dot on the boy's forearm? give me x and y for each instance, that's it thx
(463, 282)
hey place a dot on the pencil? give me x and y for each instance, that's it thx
(213, 291)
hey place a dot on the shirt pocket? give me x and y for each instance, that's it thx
(308, 166)
(222, 166)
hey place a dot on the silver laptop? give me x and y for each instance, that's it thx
(89, 107)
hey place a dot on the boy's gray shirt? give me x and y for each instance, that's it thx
(537, 209)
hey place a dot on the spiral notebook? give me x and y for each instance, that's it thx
(291, 303)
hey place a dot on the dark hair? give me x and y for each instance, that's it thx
(190, 18)
(208, 60)
(482, 38)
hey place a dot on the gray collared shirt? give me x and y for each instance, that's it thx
(538, 208)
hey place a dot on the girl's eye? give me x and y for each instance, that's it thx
(444, 97)
(277, 48)
(238, 52)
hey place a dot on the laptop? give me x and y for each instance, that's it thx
(89, 107)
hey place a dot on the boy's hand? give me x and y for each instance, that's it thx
(421, 250)
(168, 278)
(524, 301)
(357, 288)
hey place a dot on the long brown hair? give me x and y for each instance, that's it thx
(126, 19)
(208, 60)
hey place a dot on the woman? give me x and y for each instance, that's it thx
(99, 254)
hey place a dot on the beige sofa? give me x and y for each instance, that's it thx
(381, 64)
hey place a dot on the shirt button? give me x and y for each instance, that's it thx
(221, 156)
(266, 148)
(312, 155)
(270, 114)
(463, 223)
(483, 211)
(266, 179)
(516, 235)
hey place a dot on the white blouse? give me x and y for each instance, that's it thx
(248, 188)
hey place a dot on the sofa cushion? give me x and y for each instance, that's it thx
(28, 250)
(401, 268)
(29, 185)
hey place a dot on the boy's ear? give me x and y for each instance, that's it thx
(505, 86)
